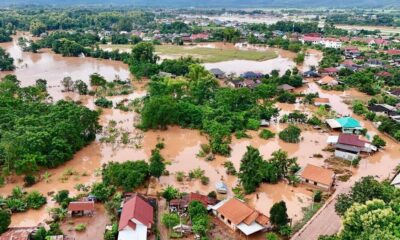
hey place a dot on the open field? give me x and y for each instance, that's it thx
(206, 54)
(383, 29)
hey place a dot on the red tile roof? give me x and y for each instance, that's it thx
(384, 74)
(311, 39)
(198, 197)
(330, 70)
(136, 208)
(351, 140)
(81, 206)
(393, 52)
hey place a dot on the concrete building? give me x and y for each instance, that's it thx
(317, 176)
(136, 220)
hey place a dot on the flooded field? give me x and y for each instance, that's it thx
(383, 29)
(181, 145)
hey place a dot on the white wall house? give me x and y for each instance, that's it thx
(136, 230)
(136, 219)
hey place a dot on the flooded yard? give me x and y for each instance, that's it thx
(181, 145)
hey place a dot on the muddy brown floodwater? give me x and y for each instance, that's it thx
(181, 145)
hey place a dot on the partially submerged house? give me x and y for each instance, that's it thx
(383, 109)
(18, 233)
(331, 71)
(395, 92)
(317, 176)
(237, 215)
(311, 74)
(349, 146)
(321, 101)
(182, 204)
(396, 181)
(137, 218)
(328, 81)
(81, 208)
(286, 87)
(218, 73)
(252, 75)
(345, 124)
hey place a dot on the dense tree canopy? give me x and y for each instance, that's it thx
(6, 61)
(254, 170)
(366, 189)
(278, 214)
(128, 175)
(37, 134)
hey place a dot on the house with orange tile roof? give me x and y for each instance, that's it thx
(237, 215)
(317, 176)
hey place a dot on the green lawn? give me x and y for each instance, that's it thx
(205, 54)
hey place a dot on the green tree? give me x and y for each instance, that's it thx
(290, 134)
(271, 236)
(366, 189)
(249, 173)
(97, 80)
(6, 61)
(282, 162)
(35, 200)
(278, 214)
(102, 192)
(128, 175)
(374, 219)
(170, 220)
(378, 141)
(157, 165)
(5, 220)
(81, 87)
(170, 193)
(37, 27)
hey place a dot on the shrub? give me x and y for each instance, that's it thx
(212, 194)
(103, 102)
(5, 220)
(180, 176)
(35, 200)
(80, 227)
(230, 169)
(102, 192)
(266, 134)
(314, 121)
(97, 80)
(317, 197)
(253, 124)
(241, 134)
(378, 141)
(205, 148)
(290, 134)
(170, 220)
(271, 236)
(205, 180)
(160, 145)
(29, 180)
(61, 196)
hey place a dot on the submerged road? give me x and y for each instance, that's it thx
(324, 222)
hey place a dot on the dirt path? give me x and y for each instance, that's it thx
(161, 209)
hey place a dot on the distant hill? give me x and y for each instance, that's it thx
(219, 3)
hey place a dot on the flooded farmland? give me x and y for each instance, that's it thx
(181, 145)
